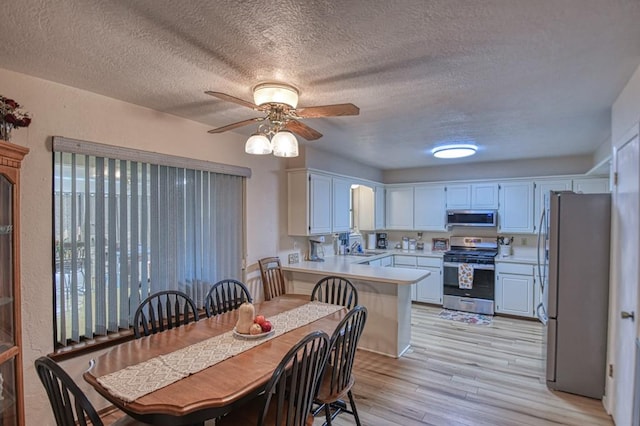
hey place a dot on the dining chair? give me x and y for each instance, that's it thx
(335, 290)
(70, 405)
(163, 310)
(225, 296)
(337, 379)
(272, 278)
(289, 394)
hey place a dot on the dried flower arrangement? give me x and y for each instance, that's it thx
(11, 116)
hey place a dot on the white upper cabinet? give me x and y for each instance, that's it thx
(542, 188)
(516, 207)
(429, 207)
(591, 185)
(458, 196)
(319, 204)
(341, 213)
(399, 207)
(482, 196)
(362, 203)
(368, 207)
(379, 198)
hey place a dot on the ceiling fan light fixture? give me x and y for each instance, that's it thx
(454, 151)
(275, 93)
(284, 144)
(258, 144)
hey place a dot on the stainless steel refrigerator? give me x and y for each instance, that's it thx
(573, 262)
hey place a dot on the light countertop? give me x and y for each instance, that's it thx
(352, 267)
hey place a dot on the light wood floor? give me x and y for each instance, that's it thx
(460, 374)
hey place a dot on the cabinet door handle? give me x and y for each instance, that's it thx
(628, 315)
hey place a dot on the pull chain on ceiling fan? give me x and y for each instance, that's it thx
(281, 120)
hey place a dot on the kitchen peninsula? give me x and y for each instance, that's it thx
(385, 292)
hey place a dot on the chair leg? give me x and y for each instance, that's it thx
(327, 412)
(318, 409)
(353, 408)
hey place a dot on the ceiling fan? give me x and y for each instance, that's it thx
(278, 102)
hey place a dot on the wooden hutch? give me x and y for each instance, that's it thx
(11, 390)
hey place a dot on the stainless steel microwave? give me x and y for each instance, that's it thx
(485, 218)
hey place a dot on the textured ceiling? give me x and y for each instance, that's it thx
(521, 78)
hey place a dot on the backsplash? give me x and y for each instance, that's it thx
(301, 244)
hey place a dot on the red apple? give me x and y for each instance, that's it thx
(259, 319)
(255, 329)
(266, 326)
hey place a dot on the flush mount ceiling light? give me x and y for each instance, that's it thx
(454, 151)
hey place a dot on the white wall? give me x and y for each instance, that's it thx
(625, 111)
(320, 160)
(64, 111)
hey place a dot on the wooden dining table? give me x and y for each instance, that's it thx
(216, 390)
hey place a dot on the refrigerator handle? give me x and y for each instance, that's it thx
(541, 314)
(540, 277)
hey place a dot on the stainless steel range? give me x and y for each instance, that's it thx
(478, 255)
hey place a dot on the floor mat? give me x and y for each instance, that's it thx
(466, 317)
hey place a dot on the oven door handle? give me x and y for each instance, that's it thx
(475, 266)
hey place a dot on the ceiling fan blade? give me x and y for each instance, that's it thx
(233, 99)
(328, 111)
(235, 125)
(303, 130)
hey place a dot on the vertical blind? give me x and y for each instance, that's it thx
(124, 229)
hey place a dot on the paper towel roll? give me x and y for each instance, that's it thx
(371, 241)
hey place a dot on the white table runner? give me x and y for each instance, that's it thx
(138, 380)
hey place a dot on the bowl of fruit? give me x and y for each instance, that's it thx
(251, 326)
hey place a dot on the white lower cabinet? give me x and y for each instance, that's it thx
(386, 261)
(515, 289)
(429, 289)
(407, 262)
(383, 261)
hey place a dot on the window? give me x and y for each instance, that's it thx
(125, 228)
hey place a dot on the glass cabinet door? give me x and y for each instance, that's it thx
(8, 350)
(8, 396)
(7, 337)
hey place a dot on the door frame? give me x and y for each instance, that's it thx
(611, 399)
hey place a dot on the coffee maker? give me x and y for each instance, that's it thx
(381, 240)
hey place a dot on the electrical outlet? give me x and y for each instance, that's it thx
(294, 258)
(523, 241)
